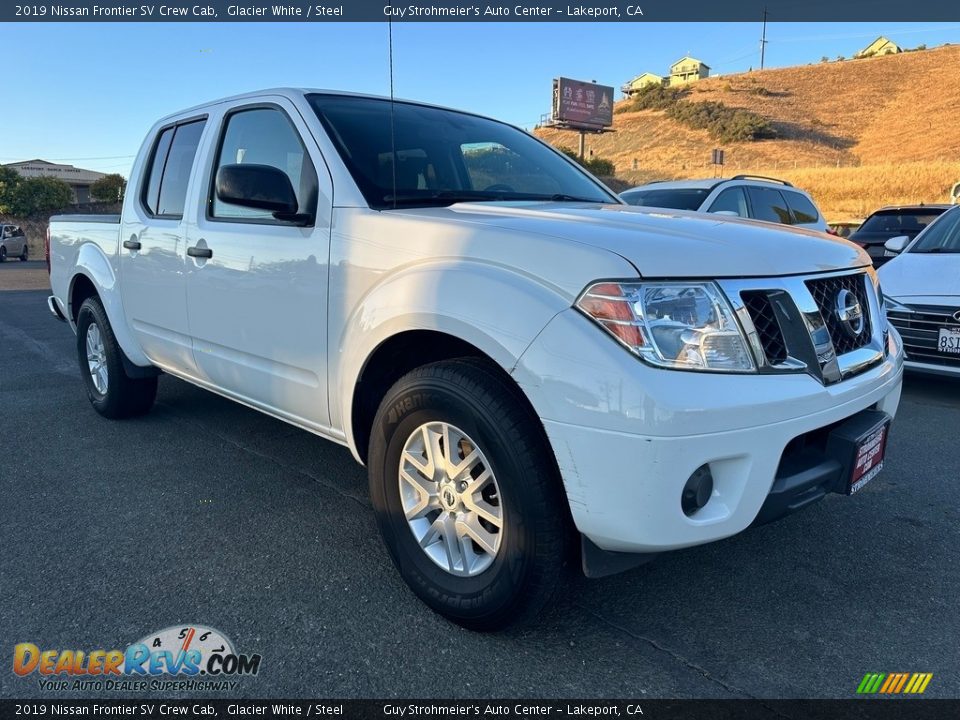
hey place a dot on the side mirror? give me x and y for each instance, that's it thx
(263, 187)
(897, 244)
(727, 213)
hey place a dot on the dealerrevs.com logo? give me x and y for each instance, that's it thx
(177, 658)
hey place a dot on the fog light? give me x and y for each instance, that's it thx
(697, 491)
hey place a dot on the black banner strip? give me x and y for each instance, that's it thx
(465, 11)
(879, 709)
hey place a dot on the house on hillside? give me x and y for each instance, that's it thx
(880, 46)
(687, 70)
(640, 82)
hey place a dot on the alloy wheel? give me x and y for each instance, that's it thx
(451, 499)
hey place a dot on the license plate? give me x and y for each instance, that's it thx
(868, 461)
(949, 341)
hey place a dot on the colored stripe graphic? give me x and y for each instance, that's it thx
(894, 683)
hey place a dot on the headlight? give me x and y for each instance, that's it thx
(888, 303)
(686, 326)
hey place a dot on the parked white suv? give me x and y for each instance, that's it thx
(533, 371)
(746, 196)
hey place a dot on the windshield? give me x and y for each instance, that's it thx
(443, 156)
(942, 236)
(899, 222)
(675, 199)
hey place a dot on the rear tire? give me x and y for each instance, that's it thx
(23, 255)
(453, 554)
(111, 391)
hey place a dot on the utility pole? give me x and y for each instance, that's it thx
(763, 38)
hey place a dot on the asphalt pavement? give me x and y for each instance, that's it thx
(207, 512)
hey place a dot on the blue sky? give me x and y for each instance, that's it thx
(85, 93)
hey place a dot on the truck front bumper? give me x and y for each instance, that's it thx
(628, 437)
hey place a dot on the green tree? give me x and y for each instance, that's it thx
(109, 188)
(39, 194)
(598, 166)
(9, 180)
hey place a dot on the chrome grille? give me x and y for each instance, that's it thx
(920, 330)
(765, 321)
(793, 325)
(825, 292)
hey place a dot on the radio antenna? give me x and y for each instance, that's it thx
(393, 131)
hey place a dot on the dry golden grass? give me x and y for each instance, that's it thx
(856, 134)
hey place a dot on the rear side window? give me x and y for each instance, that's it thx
(768, 204)
(803, 210)
(170, 166)
(151, 191)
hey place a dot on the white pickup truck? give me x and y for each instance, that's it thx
(534, 372)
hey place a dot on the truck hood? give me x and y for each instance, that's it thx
(666, 243)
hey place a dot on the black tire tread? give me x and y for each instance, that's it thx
(500, 401)
(126, 396)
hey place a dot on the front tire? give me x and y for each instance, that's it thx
(111, 391)
(3, 254)
(467, 494)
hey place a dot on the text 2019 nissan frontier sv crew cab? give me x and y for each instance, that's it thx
(532, 371)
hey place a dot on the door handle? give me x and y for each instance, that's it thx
(131, 244)
(199, 252)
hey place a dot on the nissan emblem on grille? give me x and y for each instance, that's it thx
(849, 313)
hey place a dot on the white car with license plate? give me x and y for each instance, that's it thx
(921, 288)
(533, 371)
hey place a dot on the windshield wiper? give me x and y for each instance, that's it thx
(561, 197)
(442, 197)
(449, 197)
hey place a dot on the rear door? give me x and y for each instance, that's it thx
(258, 303)
(805, 213)
(768, 204)
(153, 245)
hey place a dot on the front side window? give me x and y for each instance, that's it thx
(668, 199)
(943, 236)
(768, 204)
(731, 200)
(402, 154)
(265, 136)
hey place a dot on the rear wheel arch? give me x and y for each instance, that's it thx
(81, 288)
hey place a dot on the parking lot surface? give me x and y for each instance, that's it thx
(207, 512)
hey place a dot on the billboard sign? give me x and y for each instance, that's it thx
(583, 105)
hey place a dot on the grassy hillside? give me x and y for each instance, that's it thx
(857, 134)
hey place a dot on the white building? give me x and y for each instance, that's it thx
(78, 179)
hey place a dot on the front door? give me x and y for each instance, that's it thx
(256, 285)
